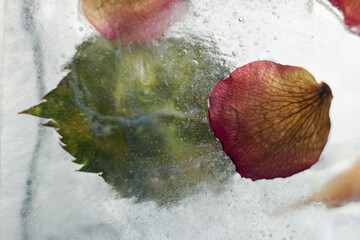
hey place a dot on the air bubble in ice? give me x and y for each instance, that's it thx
(194, 63)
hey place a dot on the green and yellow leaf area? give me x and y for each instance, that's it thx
(138, 115)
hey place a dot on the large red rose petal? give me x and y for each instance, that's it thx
(272, 119)
(351, 11)
(135, 20)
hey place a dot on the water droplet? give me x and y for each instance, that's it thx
(241, 19)
(194, 63)
(196, 14)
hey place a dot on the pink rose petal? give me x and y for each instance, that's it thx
(133, 21)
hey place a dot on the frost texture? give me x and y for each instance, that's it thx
(83, 205)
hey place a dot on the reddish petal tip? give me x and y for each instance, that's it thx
(351, 11)
(133, 21)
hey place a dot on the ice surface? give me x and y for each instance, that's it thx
(43, 196)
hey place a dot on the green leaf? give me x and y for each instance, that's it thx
(139, 116)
